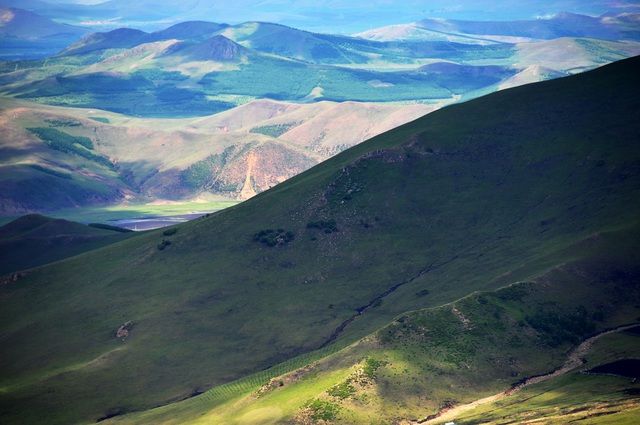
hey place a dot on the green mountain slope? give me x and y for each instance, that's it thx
(498, 356)
(471, 197)
(34, 240)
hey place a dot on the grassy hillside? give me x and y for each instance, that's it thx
(440, 359)
(34, 240)
(584, 396)
(472, 197)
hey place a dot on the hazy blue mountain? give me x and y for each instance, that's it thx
(191, 30)
(342, 16)
(128, 37)
(610, 27)
(119, 38)
(21, 23)
(27, 34)
(295, 43)
(217, 48)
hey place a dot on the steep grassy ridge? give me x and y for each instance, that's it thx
(471, 197)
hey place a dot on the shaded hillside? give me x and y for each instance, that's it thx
(472, 197)
(116, 39)
(23, 24)
(34, 240)
(190, 30)
(217, 48)
(500, 354)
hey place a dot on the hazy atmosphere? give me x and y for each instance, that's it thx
(338, 16)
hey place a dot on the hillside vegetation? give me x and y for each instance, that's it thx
(431, 366)
(534, 184)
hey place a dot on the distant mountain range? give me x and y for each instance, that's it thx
(624, 26)
(197, 70)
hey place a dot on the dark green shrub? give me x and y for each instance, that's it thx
(170, 232)
(422, 293)
(101, 119)
(328, 226)
(58, 138)
(62, 123)
(512, 293)
(201, 174)
(371, 366)
(273, 238)
(322, 410)
(273, 130)
(342, 391)
(162, 245)
(556, 328)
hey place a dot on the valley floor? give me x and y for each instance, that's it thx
(140, 216)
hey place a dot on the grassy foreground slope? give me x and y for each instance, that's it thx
(34, 240)
(472, 197)
(439, 359)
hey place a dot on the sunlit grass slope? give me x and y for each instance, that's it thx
(472, 197)
(580, 396)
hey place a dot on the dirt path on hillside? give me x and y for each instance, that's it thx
(573, 361)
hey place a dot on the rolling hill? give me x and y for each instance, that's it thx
(116, 39)
(408, 237)
(34, 240)
(190, 30)
(200, 68)
(611, 27)
(146, 159)
(217, 49)
(121, 72)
